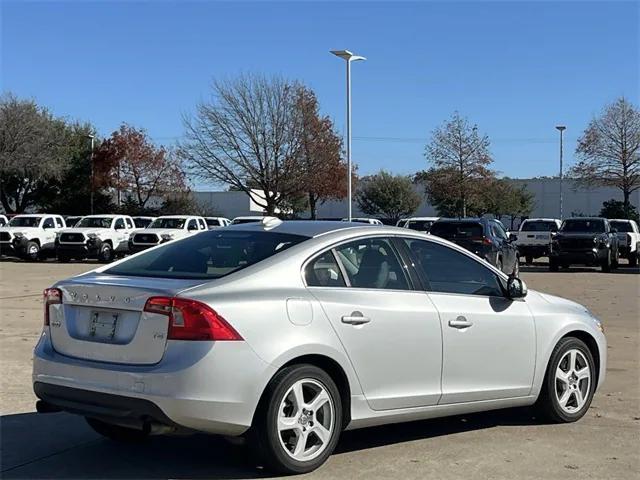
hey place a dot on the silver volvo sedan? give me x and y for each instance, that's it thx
(290, 332)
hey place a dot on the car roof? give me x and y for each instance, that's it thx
(311, 228)
(621, 220)
(585, 218)
(105, 215)
(420, 218)
(469, 220)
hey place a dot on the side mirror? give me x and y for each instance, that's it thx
(513, 237)
(516, 288)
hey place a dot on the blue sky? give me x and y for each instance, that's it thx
(514, 68)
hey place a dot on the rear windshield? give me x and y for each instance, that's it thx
(209, 255)
(168, 223)
(538, 226)
(420, 225)
(212, 222)
(24, 221)
(586, 226)
(622, 226)
(94, 222)
(142, 222)
(457, 230)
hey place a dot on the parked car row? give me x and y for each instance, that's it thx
(102, 237)
(590, 241)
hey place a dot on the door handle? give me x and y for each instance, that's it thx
(460, 322)
(356, 318)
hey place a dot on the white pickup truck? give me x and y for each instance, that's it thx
(3, 220)
(628, 239)
(534, 237)
(31, 237)
(164, 229)
(95, 236)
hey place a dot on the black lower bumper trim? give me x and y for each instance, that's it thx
(115, 408)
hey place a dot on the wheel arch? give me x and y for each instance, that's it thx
(331, 367)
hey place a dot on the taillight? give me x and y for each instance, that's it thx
(191, 320)
(487, 241)
(484, 240)
(51, 296)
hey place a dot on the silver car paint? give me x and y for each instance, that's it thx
(216, 386)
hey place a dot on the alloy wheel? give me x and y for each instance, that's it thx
(306, 420)
(573, 381)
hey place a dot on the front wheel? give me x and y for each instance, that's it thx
(32, 252)
(606, 263)
(105, 254)
(569, 383)
(300, 420)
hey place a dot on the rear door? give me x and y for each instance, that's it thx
(391, 333)
(489, 347)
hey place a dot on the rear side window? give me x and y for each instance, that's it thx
(372, 263)
(203, 226)
(449, 271)
(58, 222)
(622, 226)
(457, 230)
(324, 271)
(419, 225)
(212, 254)
(129, 223)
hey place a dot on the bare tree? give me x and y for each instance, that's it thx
(459, 158)
(609, 150)
(33, 150)
(248, 137)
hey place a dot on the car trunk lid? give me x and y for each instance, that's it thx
(102, 318)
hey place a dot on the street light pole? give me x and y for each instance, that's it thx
(561, 129)
(92, 137)
(348, 57)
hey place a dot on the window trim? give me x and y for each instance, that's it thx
(425, 281)
(413, 287)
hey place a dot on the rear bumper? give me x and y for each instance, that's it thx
(212, 387)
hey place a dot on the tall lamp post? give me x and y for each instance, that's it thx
(561, 129)
(348, 57)
(93, 138)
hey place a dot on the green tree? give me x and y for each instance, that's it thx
(459, 158)
(34, 148)
(617, 209)
(388, 196)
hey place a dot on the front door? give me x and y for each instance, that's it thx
(488, 340)
(392, 334)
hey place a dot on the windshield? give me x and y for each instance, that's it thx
(586, 226)
(457, 230)
(622, 226)
(420, 225)
(142, 222)
(25, 221)
(538, 226)
(168, 223)
(94, 222)
(210, 255)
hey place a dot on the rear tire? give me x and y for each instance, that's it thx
(569, 383)
(553, 265)
(606, 264)
(116, 432)
(528, 260)
(298, 423)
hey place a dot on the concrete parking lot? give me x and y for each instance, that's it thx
(605, 444)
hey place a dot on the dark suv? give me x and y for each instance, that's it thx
(585, 241)
(486, 238)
